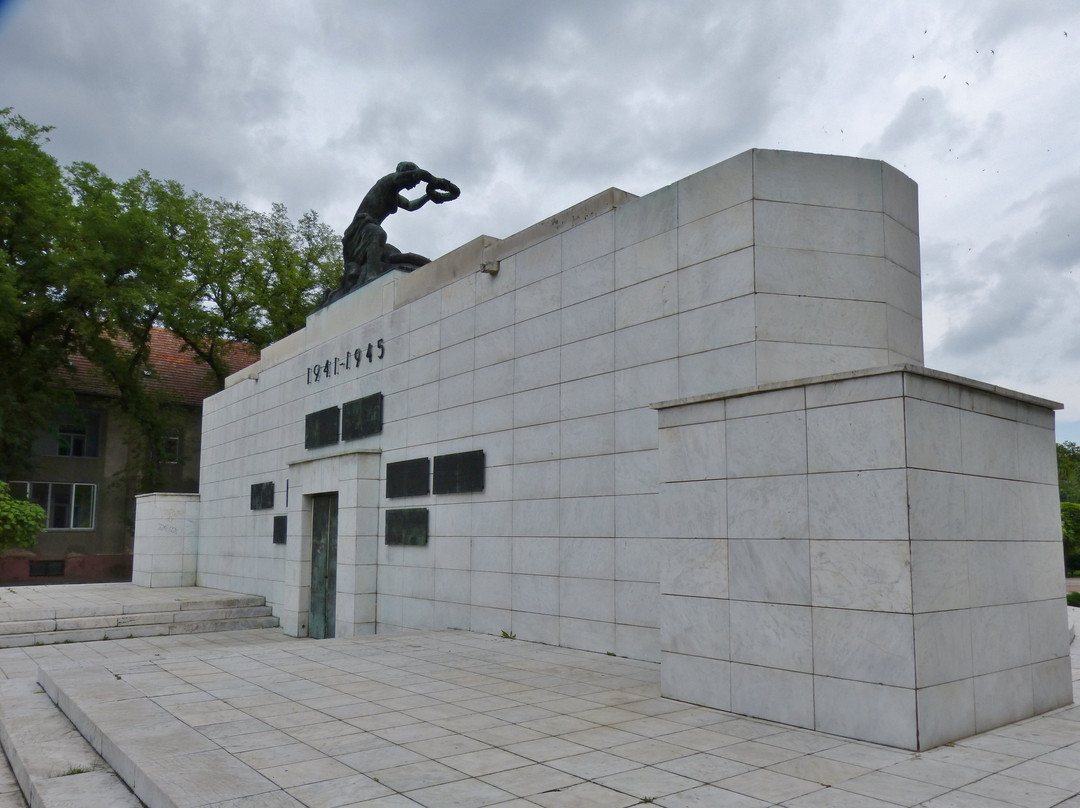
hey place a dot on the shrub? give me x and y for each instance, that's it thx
(20, 520)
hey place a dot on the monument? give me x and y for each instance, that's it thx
(367, 254)
(692, 427)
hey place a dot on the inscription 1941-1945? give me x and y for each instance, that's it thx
(352, 361)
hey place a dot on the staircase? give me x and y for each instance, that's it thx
(58, 754)
(55, 622)
(55, 766)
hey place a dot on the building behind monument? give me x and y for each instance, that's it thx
(86, 470)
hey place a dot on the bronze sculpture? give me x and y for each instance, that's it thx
(366, 251)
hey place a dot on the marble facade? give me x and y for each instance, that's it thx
(888, 565)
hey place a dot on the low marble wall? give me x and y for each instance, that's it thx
(166, 539)
(876, 556)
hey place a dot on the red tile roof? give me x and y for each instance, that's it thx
(177, 371)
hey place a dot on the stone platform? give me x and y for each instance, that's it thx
(42, 615)
(254, 718)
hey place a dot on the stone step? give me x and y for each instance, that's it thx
(119, 620)
(60, 611)
(131, 631)
(165, 762)
(88, 623)
(53, 763)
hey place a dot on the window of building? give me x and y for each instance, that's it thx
(170, 449)
(68, 506)
(77, 434)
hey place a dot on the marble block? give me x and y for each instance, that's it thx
(167, 537)
(891, 575)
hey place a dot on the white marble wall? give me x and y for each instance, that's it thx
(167, 526)
(769, 266)
(879, 558)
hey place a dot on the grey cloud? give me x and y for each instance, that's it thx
(1030, 278)
(924, 117)
(531, 107)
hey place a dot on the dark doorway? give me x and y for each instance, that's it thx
(324, 509)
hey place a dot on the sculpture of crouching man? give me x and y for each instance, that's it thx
(366, 251)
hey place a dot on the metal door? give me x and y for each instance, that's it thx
(323, 565)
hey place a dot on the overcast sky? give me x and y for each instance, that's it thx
(531, 107)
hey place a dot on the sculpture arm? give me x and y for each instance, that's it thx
(412, 204)
(410, 180)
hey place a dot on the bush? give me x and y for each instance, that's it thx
(1070, 534)
(20, 520)
(1072, 598)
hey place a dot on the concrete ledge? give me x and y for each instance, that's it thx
(76, 635)
(54, 765)
(902, 367)
(163, 760)
(594, 206)
(71, 623)
(28, 626)
(88, 788)
(84, 610)
(188, 615)
(156, 629)
(224, 603)
(237, 624)
(129, 611)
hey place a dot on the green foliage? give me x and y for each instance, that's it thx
(1070, 533)
(36, 248)
(257, 276)
(1068, 460)
(1068, 457)
(21, 521)
(89, 265)
(1072, 598)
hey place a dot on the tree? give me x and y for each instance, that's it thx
(1070, 533)
(89, 265)
(292, 256)
(257, 277)
(1068, 456)
(37, 241)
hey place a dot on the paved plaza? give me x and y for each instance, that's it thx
(444, 719)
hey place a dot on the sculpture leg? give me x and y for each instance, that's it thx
(393, 257)
(372, 241)
(411, 259)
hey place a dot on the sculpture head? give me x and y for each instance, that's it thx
(407, 167)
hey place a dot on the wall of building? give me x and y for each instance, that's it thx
(103, 551)
(545, 350)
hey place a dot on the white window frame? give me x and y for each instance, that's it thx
(51, 499)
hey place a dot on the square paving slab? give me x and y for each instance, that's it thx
(442, 719)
